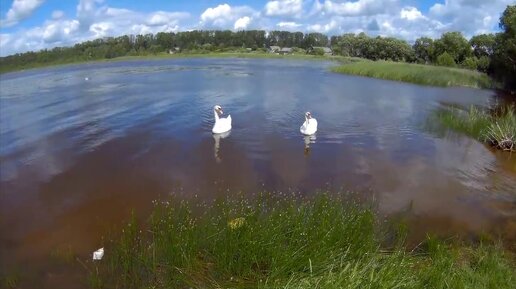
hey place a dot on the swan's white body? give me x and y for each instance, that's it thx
(309, 127)
(221, 125)
(97, 255)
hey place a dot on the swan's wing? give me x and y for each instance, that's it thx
(229, 118)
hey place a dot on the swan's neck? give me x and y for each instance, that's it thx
(216, 115)
(307, 120)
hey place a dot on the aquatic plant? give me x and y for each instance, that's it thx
(287, 242)
(417, 73)
(497, 128)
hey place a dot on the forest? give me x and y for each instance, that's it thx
(494, 54)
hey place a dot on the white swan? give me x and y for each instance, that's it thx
(221, 124)
(97, 255)
(309, 127)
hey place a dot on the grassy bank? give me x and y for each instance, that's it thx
(498, 128)
(417, 73)
(282, 242)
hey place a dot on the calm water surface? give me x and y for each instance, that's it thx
(77, 156)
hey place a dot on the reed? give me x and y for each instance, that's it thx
(285, 242)
(497, 128)
(417, 73)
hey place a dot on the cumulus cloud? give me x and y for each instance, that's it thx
(20, 9)
(242, 23)
(410, 13)
(93, 20)
(469, 16)
(223, 16)
(292, 8)
(397, 18)
(288, 25)
(353, 8)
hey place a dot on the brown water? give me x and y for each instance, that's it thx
(77, 156)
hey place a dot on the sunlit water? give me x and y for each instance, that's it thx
(83, 146)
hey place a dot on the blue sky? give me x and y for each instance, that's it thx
(36, 24)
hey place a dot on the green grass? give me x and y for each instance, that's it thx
(498, 128)
(284, 242)
(417, 73)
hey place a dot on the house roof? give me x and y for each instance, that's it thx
(326, 49)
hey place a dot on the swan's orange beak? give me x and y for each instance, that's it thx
(221, 112)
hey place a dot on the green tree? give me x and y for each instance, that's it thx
(483, 64)
(445, 59)
(317, 51)
(455, 45)
(470, 63)
(423, 49)
(504, 55)
(483, 44)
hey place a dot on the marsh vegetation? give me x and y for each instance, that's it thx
(496, 127)
(417, 73)
(280, 241)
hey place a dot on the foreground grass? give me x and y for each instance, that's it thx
(417, 73)
(498, 128)
(281, 242)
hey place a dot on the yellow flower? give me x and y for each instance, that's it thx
(236, 223)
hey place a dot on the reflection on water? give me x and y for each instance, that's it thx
(309, 139)
(216, 146)
(76, 156)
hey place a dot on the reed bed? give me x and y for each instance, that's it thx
(417, 73)
(285, 242)
(497, 127)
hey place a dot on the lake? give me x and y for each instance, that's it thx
(82, 147)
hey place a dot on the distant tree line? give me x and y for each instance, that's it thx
(494, 54)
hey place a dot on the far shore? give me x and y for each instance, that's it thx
(405, 72)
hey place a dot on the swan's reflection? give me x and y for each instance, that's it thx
(217, 137)
(309, 139)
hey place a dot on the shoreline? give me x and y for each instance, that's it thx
(182, 56)
(421, 74)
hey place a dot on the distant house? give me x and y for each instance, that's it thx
(174, 50)
(327, 50)
(285, 50)
(274, 49)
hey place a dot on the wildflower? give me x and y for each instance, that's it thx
(236, 223)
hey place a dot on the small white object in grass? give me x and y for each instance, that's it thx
(97, 255)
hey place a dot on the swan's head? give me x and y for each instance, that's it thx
(308, 115)
(218, 109)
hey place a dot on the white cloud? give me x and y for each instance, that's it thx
(95, 18)
(410, 13)
(292, 8)
(57, 14)
(288, 25)
(93, 21)
(242, 23)
(224, 15)
(469, 16)
(354, 8)
(20, 9)
(217, 13)
(325, 28)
